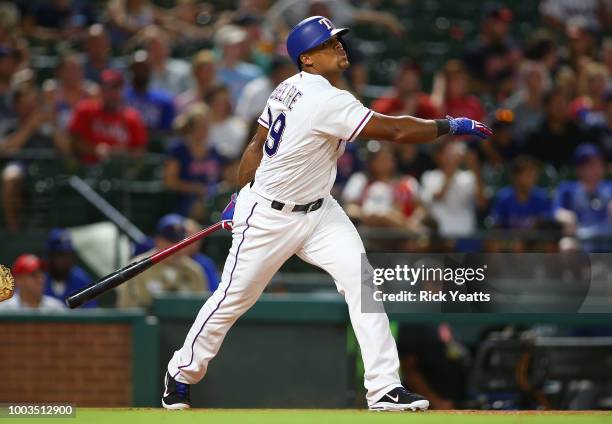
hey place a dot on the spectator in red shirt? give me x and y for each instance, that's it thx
(450, 92)
(101, 128)
(406, 97)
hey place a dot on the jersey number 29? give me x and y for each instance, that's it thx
(275, 133)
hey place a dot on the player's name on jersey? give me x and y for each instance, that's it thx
(287, 94)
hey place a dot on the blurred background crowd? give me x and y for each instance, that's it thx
(151, 103)
(168, 92)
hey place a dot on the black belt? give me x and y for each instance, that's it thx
(308, 207)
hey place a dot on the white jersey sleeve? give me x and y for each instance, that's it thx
(340, 115)
(264, 118)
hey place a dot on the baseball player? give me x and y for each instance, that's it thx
(285, 208)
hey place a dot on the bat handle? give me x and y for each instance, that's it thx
(109, 282)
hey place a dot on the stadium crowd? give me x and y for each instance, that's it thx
(188, 79)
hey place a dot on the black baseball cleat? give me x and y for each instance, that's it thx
(400, 399)
(176, 394)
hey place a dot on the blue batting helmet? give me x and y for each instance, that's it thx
(310, 33)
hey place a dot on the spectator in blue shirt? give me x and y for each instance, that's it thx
(156, 107)
(523, 205)
(584, 207)
(192, 169)
(63, 275)
(233, 71)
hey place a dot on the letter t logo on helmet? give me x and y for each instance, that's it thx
(328, 24)
(310, 33)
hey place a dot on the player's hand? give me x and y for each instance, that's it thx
(467, 126)
(227, 215)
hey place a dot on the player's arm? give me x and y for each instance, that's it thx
(252, 156)
(411, 130)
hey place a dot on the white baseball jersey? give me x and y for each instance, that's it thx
(310, 121)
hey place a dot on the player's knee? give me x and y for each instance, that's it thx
(243, 296)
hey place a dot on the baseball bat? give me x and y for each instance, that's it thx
(116, 278)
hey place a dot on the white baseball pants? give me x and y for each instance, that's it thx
(263, 239)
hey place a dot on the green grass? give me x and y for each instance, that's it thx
(268, 416)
